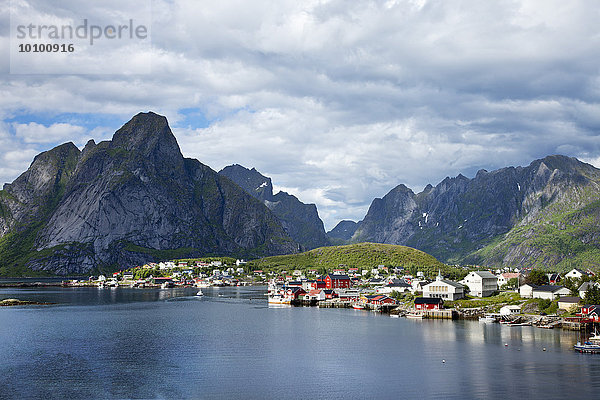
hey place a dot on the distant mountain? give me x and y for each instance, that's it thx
(301, 221)
(546, 214)
(124, 202)
(343, 230)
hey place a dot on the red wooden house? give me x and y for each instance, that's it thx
(337, 281)
(428, 303)
(590, 313)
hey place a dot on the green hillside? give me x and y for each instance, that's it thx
(361, 255)
(562, 241)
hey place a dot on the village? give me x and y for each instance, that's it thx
(513, 297)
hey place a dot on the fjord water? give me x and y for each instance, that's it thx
(150, 343)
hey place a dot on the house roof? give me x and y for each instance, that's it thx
(547, 288)
(398, 283)
(484, 274)
(428, 300)
(339, 277)
(586, 285)
(569, 299)
(447, 282)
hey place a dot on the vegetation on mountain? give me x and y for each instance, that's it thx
(363, 256)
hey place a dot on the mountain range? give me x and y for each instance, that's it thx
(127, 201)
(135, 198)
(544, 215)
(300, 221)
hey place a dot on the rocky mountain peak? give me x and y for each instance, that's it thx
(149, 134)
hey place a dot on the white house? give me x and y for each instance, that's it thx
(503, 278)
(481, 283)
(550, 292)
(417, 285)
(585, 287)
(444, 289)
(510, 310)
(526, 290)
(395, 285)
(575, 274)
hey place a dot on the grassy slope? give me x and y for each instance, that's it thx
(562, 241)
(361, 255)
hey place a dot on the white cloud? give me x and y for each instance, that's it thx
(38, 133)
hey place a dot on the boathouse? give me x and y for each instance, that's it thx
(428, 303)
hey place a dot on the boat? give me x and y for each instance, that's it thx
(595, 338)
(279, 299)
(394, 315)
(358, 306)
(519, 324)
(587, 347)
(487, 318)
(199, 293)
(415, 315)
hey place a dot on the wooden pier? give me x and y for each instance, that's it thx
(441, 314)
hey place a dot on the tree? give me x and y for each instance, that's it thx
(537, 277)
(513, 282)
(572, 284)
(592, 296)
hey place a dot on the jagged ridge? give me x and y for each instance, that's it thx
(127, 201)
(487, 219)
(301, 221)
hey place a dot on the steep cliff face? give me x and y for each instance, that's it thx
(301, 221)
(136, 199)
(343, 231)
(477, 220)
(34, 192)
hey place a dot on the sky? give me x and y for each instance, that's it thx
(337, 101)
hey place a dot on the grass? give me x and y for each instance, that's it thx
(476, 302)
(361, 255)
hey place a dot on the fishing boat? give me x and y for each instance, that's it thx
(587, 347)
(415, 315)
(279, 299)
(199, 293)
(357, 306)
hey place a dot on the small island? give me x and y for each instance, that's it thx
(17, 302)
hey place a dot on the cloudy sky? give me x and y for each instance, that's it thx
(337, 101)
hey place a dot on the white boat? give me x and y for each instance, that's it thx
(415, 315)
(279, 299)
(199, 293)
(595, 338)
(357, 306)
(487, 318)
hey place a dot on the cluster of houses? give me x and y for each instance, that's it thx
(376, 291)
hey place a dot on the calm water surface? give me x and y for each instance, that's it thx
(151, 343)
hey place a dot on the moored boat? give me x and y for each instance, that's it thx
(415, 315)
(199, 293)
(587, 347)
(358, 306)
(279, 299)
(488, 318)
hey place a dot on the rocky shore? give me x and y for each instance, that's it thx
(17, 302)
